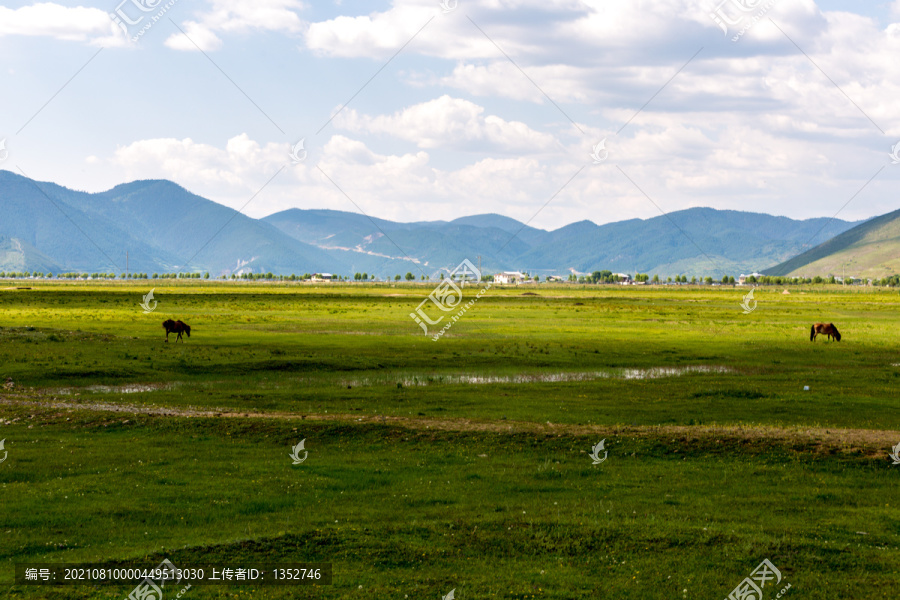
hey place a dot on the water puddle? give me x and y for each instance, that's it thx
(628, 374)
(130, 388)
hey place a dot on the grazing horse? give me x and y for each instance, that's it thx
(178, 327)
(827, 328)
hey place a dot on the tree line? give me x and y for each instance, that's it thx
(597, 277)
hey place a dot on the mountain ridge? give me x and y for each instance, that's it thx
(166, 228)
(870, 249)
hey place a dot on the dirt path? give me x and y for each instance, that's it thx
(870, 442)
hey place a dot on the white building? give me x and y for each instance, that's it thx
(509, 277)
(743, 278)
(322, 277)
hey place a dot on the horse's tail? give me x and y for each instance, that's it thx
(812, 333)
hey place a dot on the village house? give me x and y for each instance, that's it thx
(743, 278)
(509, 277)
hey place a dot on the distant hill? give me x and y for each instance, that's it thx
(869, 250)
(724, 241)
(17, 255)
(386, 247)
(696, 241)
(162, 226)
(165, 228)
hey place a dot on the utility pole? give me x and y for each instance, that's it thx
(126, 264)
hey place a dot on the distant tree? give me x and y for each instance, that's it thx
(397, 277)
(708, 280)
(655, 278)
(365, 276)
(410, 276)
(537, 278)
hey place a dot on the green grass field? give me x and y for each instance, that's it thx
(460, 463)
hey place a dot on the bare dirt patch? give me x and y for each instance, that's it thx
(871, 443)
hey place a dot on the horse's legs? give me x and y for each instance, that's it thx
(167, 336)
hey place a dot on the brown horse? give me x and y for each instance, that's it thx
(178, 327)
(827, 328)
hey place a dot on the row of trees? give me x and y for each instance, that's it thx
(597, 277)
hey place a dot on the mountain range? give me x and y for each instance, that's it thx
(165, 228)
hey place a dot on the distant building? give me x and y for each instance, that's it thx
(623, 278)
(743, 278)
(322, 277)
(509, 277)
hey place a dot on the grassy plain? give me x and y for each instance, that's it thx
(460, 463)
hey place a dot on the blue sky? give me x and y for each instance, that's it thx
(493, 106)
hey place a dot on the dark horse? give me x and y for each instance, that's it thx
(176, 327)
(827, 328)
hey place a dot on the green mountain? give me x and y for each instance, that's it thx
(165, 228)
(693, 242)
(386, 247)
(162, 226)
(869, 250)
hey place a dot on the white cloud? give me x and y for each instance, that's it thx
(48, 19)
(563, 83)
(677, 159)
(196, 36)
(451, 122)
(236, 16)
(240, 163)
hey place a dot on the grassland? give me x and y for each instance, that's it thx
(460, 463)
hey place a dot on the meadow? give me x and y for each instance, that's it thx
(459, 464)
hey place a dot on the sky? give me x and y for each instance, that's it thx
(546, 111)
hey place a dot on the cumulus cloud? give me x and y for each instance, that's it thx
(48, 19)
(451, 122)
(726, 165)
(239, 163)
(236, 16)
